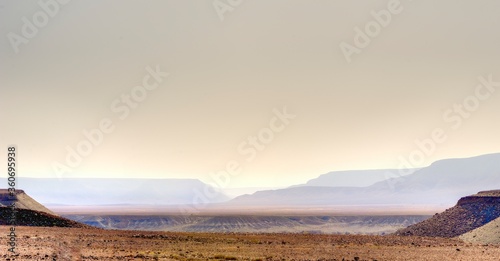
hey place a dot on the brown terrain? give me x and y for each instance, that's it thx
(40, 243)
(42, 238)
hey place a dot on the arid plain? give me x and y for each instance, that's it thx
(51, 243)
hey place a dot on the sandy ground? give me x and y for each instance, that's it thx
(489, 233)
(37, 243)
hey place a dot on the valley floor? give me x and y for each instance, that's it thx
(38, 243)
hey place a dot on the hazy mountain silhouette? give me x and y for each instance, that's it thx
(441, 183)
(352, 178)
(95, 191)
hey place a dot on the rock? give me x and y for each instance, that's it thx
(471, 212)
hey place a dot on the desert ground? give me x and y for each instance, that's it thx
(52, 243)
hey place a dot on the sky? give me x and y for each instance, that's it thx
(246, 93)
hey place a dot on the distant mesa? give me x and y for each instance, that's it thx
(28, 212)
(22, 200)
(120, 191)
(470, 213)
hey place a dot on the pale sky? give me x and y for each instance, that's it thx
(228, 77)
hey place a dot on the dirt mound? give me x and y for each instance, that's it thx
(471, 212)
(487, 234)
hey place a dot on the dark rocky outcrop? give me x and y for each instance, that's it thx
(470, 213)
(32, 218)
(28, 212)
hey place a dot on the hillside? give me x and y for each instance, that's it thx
(23, 201)
(487, 234)
(471, 212)
(29, 212)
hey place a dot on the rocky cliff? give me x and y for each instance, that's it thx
(469, 213)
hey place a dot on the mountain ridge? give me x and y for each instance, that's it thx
(352, 178)
(438, 184)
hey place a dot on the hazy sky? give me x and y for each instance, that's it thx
(235, 66)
